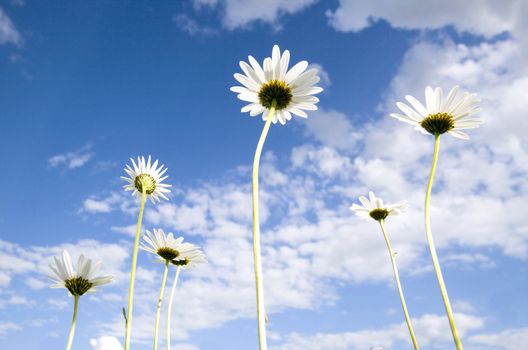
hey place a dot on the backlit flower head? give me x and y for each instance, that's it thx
(440, 115)
(289, 90)
(146, 176)
(190, 258)
(77, 282)
(166, 247)
(374, 208)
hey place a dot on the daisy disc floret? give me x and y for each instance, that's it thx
(190, 258)
(440, 115)
(374, 208)
(165, 246)
(289, 91)
(80, 281)
(146, 176)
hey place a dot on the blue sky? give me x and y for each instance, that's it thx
(86, 85)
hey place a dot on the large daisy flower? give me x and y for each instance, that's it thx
(80, 281)
(165, 246)
(374, 208)
(274, 85)
(190, 258)
(440, 115)
(146, 175)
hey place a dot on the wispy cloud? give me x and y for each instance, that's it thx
(72, 160)
(8, 31)
(241, 14)
(191, 26)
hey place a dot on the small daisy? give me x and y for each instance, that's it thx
(190, 258)
(77, 282)
(166, 247)
(147, 176)
(374, 208)
(273, 85)
(440, 115)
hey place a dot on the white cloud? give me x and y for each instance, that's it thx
(242, 13)
(35, 283)
(8, 31)
(7, 327)
(332, 128)
(510, 339)
(191, 26)
(431, 330)
(72, 160)
(105, 343)
(485, 17)
(94, 205)
(60, 304)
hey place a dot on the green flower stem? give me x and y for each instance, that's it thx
(432, 248)
(169, 309)
(261, 313)
(74, 322)
(160, 299)
(398, 284)
(133, 271)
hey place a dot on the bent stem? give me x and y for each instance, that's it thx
(169, 309)
(398, 284)
(261, 316)
(74, 322)
(432, 248)
(160, 299)
(133, 271)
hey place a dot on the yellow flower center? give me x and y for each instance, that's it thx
(275, 90)
(379, 214)
(145, 181)
(438, 123)
(181, 262)
(78, 285)
(168, 253)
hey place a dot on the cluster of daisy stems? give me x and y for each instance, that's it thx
(276, 92)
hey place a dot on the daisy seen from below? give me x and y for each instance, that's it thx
(166, 248)
(187, 259)
(438, 116)
(145, 179)
(145, 176)
(78, 282)
(374, 208)
(276, 92)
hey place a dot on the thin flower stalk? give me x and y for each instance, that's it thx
(438, 116)
(160, 299)
(128, 320)
(74, 322)
(374, 208)
(257, 259)
(276, 92)
(189, 258)
(169, 308)
(398, 285)
(434, 256)
(145, 179)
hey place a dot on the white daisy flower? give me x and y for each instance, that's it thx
(165, 246)
(146, 175)
(289, 90)
(77, 282)
(374, 208)
(440, 115)
(190, 258)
